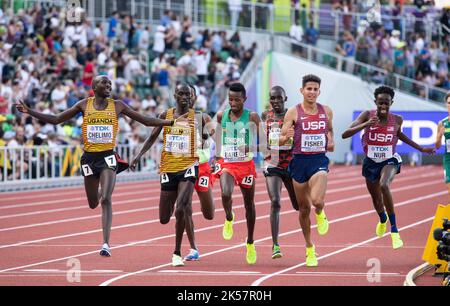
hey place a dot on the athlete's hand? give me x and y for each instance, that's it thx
(21, 106)
(330, 145)
(133, 163)
(429, 150)
(373, 120)
(290, 133)
(183, 120)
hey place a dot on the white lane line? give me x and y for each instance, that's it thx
(110, 281)
(261, 280)
(331, 203)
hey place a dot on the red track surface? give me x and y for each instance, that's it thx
(41, 230)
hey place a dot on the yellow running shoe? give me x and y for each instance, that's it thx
(251, 254)
(381, 228)
(311, 258)
(227, 232)
(397, 243)
(276, 252)
(322, 223)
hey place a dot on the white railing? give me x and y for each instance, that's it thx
(25, 167)
(366, 72)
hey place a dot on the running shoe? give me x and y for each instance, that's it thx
(177, 261)
(381, 228)
(397, 243)
(322, 223)
(276, 252)
(227, 232)
(251, 254)
(311, 258)
(192, 256)
(105, 250)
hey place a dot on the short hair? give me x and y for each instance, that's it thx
(238, 87)
(276, 87)
(193, 88)
(310, 78)
(384, 90)
(446, 96)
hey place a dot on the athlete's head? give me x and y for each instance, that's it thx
(183, 95)
(193, 96)
(277, 97)
(237, 96)
(310, 88)
(384, 96)
(102, 86)
(447, 101)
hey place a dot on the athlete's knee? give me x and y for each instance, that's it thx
(385, 187)
(208, 214)
(276, 204)
(164, 219)
(106, 200)
(180, 212)
(93, 203)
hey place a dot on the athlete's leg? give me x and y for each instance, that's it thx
(387, 176)
(207, 204)
(304, 202)
(318, 188)
(167, 201)
(189, 226)
(274, 184)
(227, 187)
(183, 208)
(448, 187)
(290, 189)
(375, 193)
(91, 187)
(250, 213)
(107, 183)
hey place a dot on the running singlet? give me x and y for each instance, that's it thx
(380, 140)
(179, 145)
(99, 128)
(446, 124)
(273, 127)
(310, 131)
(236, 135)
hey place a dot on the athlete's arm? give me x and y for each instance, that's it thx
(122, 108)
(440, 133)
(359, 124)
(148, 143)
(401, 136)
(52, 119)
(287, 131)
(330, 135)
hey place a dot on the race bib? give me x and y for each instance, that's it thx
(217, 168)
(111, 161)
(179, 144)
(379, 152)
(313, 142)
(164, 178)
(248, 180)
(234, 153)
(100, 133)
(203, 181)
(447, 146)
(190, 172)
(86, 170)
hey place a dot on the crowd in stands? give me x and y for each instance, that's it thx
(385, 42)
(50, 64)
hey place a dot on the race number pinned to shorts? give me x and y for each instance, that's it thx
(248, 180)
(217, 168)
(190, 172)
(86, 170)
(203, 181)
(111, 161)
(164, 178)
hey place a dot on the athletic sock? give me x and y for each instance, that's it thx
(177, 253)
(393, 223)
(383, 217)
